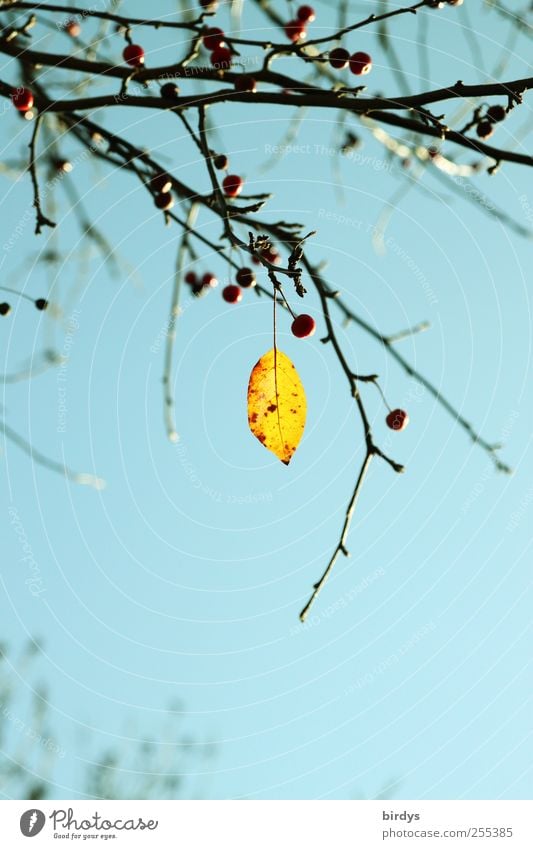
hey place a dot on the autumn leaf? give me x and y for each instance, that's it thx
(276, 404)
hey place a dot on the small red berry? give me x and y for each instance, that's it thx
(360, 63)
(221, 58)
(484, 129)
(5, 309)
(271, 255)
(295, 31)
(306, 14)
(232, 294)
(22, 99)
(213, 38)
(303, 326)
(161, 183)
(63, 166)
(397, 420)
(170, 91)
(221, 162)
(246, 278)
(41, 303)
(339, 58)
(232, 185)
(73, 28)
(209, 281)
(245, 83)
(496, 113)
(133, 54)
(191, 278)
(164, 201)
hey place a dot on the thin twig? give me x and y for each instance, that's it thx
(169, 410)
(341, 545)
(408, 332)
(82, 478)
(42, 220)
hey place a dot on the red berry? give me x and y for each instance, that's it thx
(484, 129)
(246, 278)
(22, 99)
(397, 420)
(213, 38)
(496, 113)
(161, 183)
(209, 281)
(271, 255)
(232, 185)
(170, 91)
(221, 58)
(339, 58)
(360, 63)
(133, 54)
(221, 162)
(191, 278)
(41, 303)
(306, 14)
(245, 83)
(73, 28)
(232, 294)
(164, 201)
(63, 166)
(295, 31)
(303, 326)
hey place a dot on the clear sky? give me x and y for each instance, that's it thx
(182, 580)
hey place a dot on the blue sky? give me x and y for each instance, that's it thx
(183, 579)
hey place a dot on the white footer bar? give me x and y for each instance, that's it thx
(269, 824)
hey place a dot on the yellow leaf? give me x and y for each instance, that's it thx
(276, 404)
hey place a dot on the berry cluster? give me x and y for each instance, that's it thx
(161, 185)
(39, 304)
(295, 30)
(214, 40)
(359, 63)
(494, 115)
(200, 285)
(246, 279)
